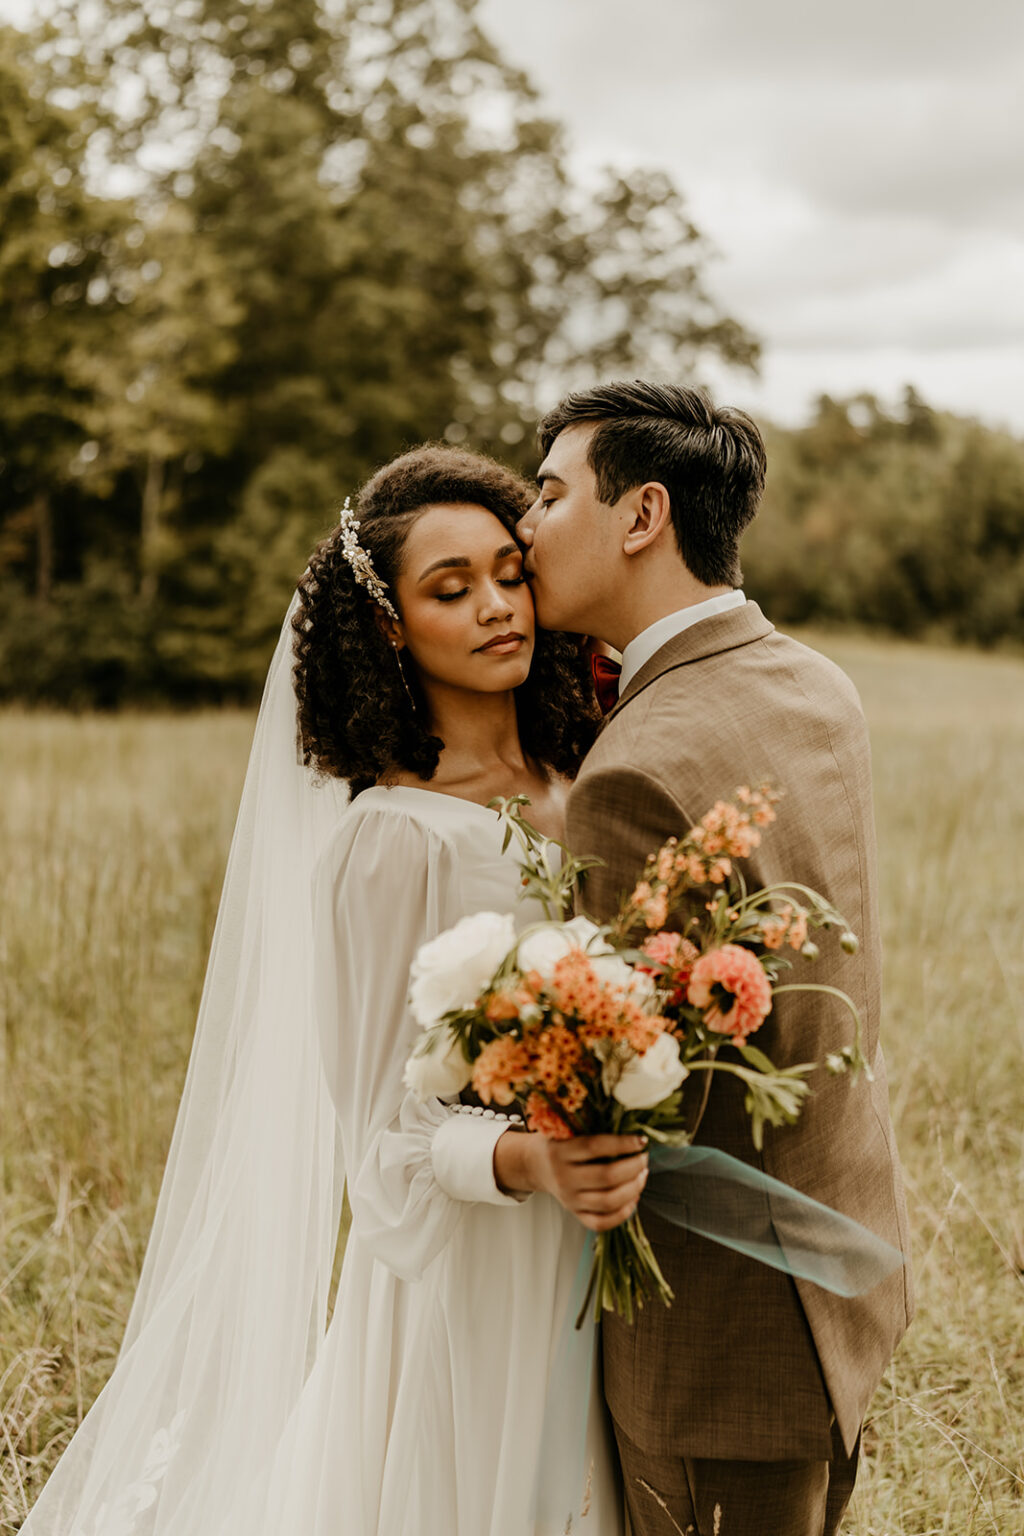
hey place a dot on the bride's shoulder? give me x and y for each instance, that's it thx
(387, 820)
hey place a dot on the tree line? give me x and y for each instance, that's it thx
(908, 521)
(250, 251)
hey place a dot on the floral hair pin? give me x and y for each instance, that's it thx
(359, 559)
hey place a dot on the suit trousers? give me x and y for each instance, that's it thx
(687, 1496)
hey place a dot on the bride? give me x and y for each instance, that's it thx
(411, 677)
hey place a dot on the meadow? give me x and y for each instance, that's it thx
(113, 836)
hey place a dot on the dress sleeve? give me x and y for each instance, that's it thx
(384, 886)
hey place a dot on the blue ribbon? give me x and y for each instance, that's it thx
(724, 1199)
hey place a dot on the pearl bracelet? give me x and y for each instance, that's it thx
(485, 1114)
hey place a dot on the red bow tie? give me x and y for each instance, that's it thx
(606, 681)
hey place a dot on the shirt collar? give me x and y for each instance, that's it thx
(650, 640)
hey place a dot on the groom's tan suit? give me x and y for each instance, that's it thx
(749, 1365)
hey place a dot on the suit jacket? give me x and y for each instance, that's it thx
(748, 1363)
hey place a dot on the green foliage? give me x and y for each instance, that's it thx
(336, 231)
(911, 523)
(248, 252)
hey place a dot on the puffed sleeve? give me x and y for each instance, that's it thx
(386, 884)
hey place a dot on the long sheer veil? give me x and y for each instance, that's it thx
(232, 1300)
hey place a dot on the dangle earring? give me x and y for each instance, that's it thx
(405, 680)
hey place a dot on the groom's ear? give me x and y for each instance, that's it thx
(650, 509)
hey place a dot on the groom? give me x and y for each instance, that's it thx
(738, 1410)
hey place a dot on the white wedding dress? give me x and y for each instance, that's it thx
(235, 1407)
(424, 1411)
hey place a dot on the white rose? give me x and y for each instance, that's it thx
(439, 1073)
(645, 1080)
(542, 947)
(613, 971)
(450, 971)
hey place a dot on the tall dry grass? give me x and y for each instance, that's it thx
(113, 834)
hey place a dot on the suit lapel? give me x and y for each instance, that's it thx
(722, 632)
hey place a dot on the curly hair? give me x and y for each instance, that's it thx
(356, 721)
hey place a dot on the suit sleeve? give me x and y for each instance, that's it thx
(620, 815)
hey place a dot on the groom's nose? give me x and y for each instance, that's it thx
(524, 527)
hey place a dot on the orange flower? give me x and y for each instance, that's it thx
(665, 861)
(574, 984)
(502, 1065)
(672, 950)
(542, 1118)
(655, 911)
(731, 987)
(787, 926)
(555, 1053)
(501, 1006)
(797, 936)
(643, 1029)
(773, 931)
(571, 1095)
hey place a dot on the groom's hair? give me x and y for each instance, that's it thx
(709, 458)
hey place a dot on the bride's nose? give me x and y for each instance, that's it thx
(494, 605)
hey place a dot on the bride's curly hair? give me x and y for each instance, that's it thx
(356, 721)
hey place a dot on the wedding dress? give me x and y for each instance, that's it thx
(235, 1407)
(424, 1412)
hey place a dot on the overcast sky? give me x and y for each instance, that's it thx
(860, 168)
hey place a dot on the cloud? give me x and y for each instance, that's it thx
(858, 168)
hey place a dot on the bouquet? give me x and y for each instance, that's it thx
(592, 1029)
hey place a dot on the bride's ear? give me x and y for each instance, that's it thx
(390, 628)
(650, 515)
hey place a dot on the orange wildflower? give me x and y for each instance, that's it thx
(500, 1007)
(671, 949)
(501, 1067)
(542, 1118)
(655, 912)
(555, 1053)
(787, 926)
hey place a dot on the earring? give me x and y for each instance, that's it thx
(405, 680)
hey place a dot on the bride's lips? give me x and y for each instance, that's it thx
(502, 645)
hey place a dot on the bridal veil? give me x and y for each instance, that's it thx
(232, 1300)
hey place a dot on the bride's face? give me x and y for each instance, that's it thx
(467, 614)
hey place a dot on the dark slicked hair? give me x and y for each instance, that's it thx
(355, 719)
(709, 458)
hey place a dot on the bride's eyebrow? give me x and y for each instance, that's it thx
(461, 562)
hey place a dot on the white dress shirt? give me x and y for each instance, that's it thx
(650, 640)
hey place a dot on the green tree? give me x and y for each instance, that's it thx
(349, 228)
(57, 243)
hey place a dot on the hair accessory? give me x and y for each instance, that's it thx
(362, 565)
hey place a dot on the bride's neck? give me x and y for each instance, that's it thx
(480, 732)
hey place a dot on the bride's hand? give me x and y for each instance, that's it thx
(599, 1179)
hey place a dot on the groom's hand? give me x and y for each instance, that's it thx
(598, 1178)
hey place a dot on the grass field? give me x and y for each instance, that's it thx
(113, 834)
